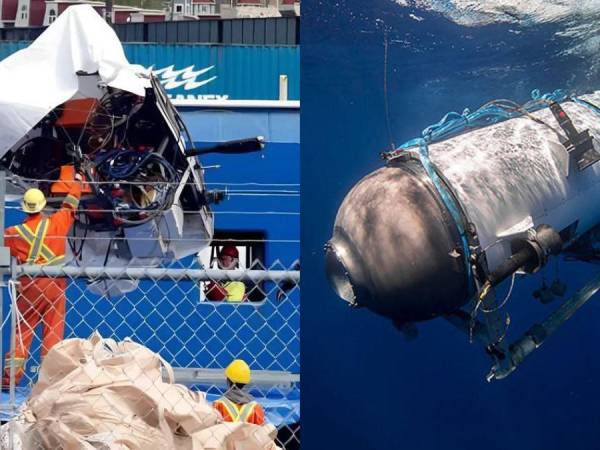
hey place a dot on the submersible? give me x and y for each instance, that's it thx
(445, 220)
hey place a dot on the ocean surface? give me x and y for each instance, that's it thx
(364, 385)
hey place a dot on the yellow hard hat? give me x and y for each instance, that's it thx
(238, 372)
(33, 201)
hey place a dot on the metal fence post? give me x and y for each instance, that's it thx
(171, 309)
(13, 345)
(2, 219)
(12, 406)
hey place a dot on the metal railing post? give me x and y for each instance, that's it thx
(13, 341)
(12, 406)
(2, 219)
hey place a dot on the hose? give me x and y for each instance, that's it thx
(118, 165)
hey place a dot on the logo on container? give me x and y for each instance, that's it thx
(187, 79)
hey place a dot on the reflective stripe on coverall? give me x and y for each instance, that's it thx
(230, 291)
(40, 240)
(231, 412)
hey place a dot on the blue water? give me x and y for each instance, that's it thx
(364, 386)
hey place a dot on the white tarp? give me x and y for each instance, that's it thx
(35, 80)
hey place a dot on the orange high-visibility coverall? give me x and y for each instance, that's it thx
(40, 240)
(251, 412)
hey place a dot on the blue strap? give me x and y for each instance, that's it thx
(586, 104)
(448, 201)
(454, 123)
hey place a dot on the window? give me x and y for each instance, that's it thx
(24, 12)
(251, 250)
(178, 7)
(204, 10)
(251, 3)
(51, 16)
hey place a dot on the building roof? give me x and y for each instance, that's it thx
(115, 7)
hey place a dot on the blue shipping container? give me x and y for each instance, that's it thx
(195, 71)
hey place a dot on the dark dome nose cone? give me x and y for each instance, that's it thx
(345, 269)
(392, 247)
(338, 274)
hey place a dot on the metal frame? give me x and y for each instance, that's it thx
(506, 358)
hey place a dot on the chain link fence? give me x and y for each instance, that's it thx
(167, 310)
(93, 353)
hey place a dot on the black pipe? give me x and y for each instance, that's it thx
(519, 259)
(230, 147)
(531, 256)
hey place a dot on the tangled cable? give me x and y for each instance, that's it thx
(144, 202)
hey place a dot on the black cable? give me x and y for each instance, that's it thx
(117, 165)
(385, 89)
(73, 245)
(107, 252)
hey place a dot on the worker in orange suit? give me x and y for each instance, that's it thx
(236, 405)
(40, 240)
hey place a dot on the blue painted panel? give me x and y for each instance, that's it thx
(276, 126)
(276, 164)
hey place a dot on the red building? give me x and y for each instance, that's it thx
(37, 13)
(227, 9)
